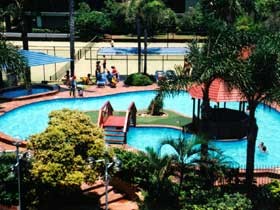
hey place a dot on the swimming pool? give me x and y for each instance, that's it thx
(20, 122)
(20, 92)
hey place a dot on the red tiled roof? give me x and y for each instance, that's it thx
(218, 92)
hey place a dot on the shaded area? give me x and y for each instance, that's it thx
(38, 58)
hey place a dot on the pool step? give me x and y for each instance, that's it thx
(114, 135)
(115, 141)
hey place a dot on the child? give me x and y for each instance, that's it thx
(73, 85)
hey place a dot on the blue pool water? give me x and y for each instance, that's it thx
(33, 118)
(23, 92)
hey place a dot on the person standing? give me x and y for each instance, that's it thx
(112, 43)
(73, 86)
(104, 63)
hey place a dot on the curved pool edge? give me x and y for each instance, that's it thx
(11, 105)
(159, 126)
(6, 139)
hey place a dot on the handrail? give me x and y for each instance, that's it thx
(130, 116)
(105, 111)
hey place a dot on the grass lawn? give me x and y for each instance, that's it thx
(171, 118)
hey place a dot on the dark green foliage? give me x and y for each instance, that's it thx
(138, 79)
(8, 180)
(192, 21)
(116, 13)
(90, 23)
(270, 193)
(11, 61)
(213, 200)
(156, 105)
(135, 166)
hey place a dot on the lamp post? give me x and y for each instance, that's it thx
(17, 166)
(116, 163)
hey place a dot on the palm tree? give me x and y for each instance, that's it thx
(258, 77)
(184, 150)
(149, 16)
(160, 166)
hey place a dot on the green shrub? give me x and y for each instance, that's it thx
(273, 192)
(8, 180)
(135, 166)
(138, 80)
(234, 201)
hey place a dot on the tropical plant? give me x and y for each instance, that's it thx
(258, 77)
(11, 60)
(160, 190)
(156, 105)
(185, 149)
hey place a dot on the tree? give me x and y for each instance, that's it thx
(11, 61)
(160, 190)
(150, 16)
(91, 23)
(61, 154)
(258, 77)
(184, 150)
(17, 10)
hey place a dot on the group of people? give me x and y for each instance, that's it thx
(112, 77)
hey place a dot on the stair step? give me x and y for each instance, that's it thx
(113, 130)
(112, 197)
(115, 134)
(116, 141)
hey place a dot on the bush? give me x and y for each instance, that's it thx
(234, 201)
(8, 181)
(138, 79)
(273, 193)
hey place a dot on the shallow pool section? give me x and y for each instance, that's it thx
(23, 92)
(19, 92)
(33, 118)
